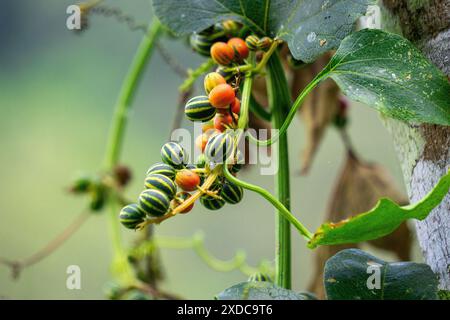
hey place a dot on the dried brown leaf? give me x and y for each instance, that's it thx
(358, 188)
(318, 109)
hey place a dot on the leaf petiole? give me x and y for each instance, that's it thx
(277, 204)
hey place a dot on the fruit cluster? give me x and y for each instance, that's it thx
(169, 184)
(173, 186)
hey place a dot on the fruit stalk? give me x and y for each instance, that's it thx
(279, 102)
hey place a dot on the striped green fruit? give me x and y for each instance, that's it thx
(219, 148)
(164, 169)
(212, 203)
(239, 162)
(201, 43)
(252, 42)
(162, 183)
(131, 215)
(259, 277)
(232, 193)
(173, 154)
(230, 27)
(264, 43)
(154, 202)
(199, 109)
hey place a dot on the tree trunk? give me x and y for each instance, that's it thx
(424, 150)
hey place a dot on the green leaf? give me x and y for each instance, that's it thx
(388, 73)
(311, 27)
(380, 221)
(261, 290)
(316, 26)
(353, 274)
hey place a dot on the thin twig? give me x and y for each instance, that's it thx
(171, 61)
(17, 266)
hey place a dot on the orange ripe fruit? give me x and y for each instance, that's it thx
(212, 80)
(236, 106)
(180, 198)
(221, 121)
(201, 141)
(222, 53)
(240, 48)
(221, 96)
(187, 180)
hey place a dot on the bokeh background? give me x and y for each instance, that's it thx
(57, 93)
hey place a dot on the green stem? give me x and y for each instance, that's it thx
(277, 204)
(246, 95)
(129, 86)
(279, 102)
(292, 112)
(121, 267)
(195, 74)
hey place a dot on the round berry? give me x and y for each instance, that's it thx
(187, 180)
(236, 106)
(264, 43)
(240, 48)
(232, 193)
(162, 168)
(219, 148)
(222, 121)
(154, 202)
(173, 154)
(230, 27)
(201, 44)
(131, 216)
(252, 42)
(199, 109)
(212, 80)
(180, 198)
(222, 53)
(222, 96)
(212, 203)
(162, 183)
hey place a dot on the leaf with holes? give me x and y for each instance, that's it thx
(311, 27)
(353, 274)
(380, 221)
(388, 73)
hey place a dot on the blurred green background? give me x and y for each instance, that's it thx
(57, 92)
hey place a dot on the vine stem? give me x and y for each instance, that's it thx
(279, 101)
(292, 112)
(121, 267)
(277, 204)
(197, 242)
(127, 91)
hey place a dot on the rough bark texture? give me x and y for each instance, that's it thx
(424, 150)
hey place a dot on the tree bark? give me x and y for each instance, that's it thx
(424, 150)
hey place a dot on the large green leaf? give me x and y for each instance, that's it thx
(380, 221)
(311, 27)
(261, 290)
(316, 26)
(353, 274)
(388, 73)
